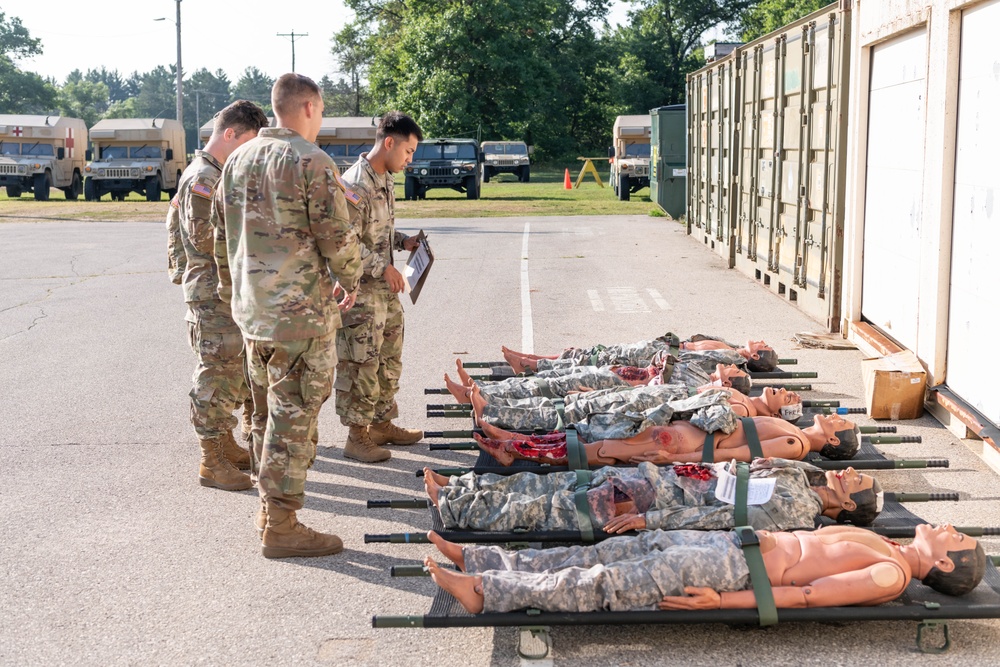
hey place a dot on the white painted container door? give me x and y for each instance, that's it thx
(896, 119)
(974, 314)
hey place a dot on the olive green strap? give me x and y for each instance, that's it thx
(594, 358)
(753, 440)
(742, 484)
(708, 449)
(575, 454)
(673, 342)
(543, 387)
(767, 613)
(560, 406)
(583, 478)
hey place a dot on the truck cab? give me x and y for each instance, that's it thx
(38, 153)
(444, 163)
(506, 157)
(142, 155)
(629, 156)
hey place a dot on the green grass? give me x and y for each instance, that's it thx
(503, 196)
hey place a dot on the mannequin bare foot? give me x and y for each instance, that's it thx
(516, 361)
(478, 403)
(462, 375)
(449, 550)
(441, 480)
(432, 486)
(466, 589)
(495, 450)
(459, 391)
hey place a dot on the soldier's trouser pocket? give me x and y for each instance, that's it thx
(356, 343)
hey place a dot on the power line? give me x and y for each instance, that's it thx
(292, 35)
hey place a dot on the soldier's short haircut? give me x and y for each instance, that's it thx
(398, 124)
(242, 116)
(292, 90)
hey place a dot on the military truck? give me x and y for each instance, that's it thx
(444, 163)
(630, 155)
(142, 155)
(38, 153)
(506, 157)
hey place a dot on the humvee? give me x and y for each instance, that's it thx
(630, 155)
(444, 163)
(506, 157)
(143, 155)
(38, 153)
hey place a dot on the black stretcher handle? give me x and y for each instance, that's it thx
(894, 464)
(448, 414)
(783, 375)
(921, 497)
(484, 364)
(821, 404)
(450, 407)
(447, 434)
(399, 503)
(877, 429)
(892, 439)
(837, 411)
(397, 538)
(788, 362)
(453, 446)
(408, 571)
(442, 390)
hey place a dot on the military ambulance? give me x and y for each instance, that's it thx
(143, 155)
(38, 153)
(630, 155)
(506, 157)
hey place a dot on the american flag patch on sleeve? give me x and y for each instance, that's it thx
(174, 203)
(201, 190)
(350, 194)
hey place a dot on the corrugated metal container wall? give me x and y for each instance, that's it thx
(767, 159)
(668, 159)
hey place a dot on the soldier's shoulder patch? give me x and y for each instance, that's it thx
(174, 203)
(201, 190)
(350, 194)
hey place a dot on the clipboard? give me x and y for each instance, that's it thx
(418, 266)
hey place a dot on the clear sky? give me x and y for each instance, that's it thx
(122, 34)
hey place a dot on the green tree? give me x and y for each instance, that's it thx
(113, 80)
(255, 86)
(349, 95)
(769, 15)
(20, 91)
(205, 93)
(157, 96)
(84, 99)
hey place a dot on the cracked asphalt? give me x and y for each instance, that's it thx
(112, 554)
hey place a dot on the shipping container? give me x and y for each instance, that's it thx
(668, 159)
(767, 159)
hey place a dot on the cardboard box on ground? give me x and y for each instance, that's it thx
(894, 386)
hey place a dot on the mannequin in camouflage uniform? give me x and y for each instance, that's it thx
(284, 234)
(219, 386)
(834, 566)
(370, 345)
(678, 497)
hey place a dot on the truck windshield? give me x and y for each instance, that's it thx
(510, 149)
(114, 152)
(445, 152)
(37, 149)
(9, 148)
(335, 150)
(144, 152)
(637, 150)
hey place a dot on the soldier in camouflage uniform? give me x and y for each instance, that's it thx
(678, 497)
(219, 387)
(370, 344)
(284, 234)
(683, 569)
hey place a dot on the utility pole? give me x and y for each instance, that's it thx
(292, 35)
(180, 92)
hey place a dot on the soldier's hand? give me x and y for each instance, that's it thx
(625, 522)
(411, 243)
(394, 278)
(694, 598)
(337, 289)
(348, 301)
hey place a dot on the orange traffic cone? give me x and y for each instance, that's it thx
(566, 182)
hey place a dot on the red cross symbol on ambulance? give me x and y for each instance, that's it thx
(17, 131)
(70, 142)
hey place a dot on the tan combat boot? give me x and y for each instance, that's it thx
(216, 470)
(285, 537)
(239, 457)
(361, 448)
(387, 433)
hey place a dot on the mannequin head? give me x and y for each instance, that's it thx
(842, 437)
(858, 498)
(732, 376)
(760, 356)
(783, 403)
(958, 561)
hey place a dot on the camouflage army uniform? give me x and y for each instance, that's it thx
(370, 344)
(218, 383)
(176, 260)
(626, 354)
(669, 499)
(625, 573)
(609, 414)
(555, 383)
(283, 232)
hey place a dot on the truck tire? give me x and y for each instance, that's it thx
(410, 188)
(153, 191)
(41, 185)
(486, 175)
(75, 187)
(525, 174)
(90, 190)
(13, 191)
(471, 187)
(623, 188)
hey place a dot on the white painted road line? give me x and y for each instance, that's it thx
(527, 335)
(595, 301)
(658, 298)
(627, 300)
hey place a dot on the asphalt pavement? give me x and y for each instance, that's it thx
(112, 554)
